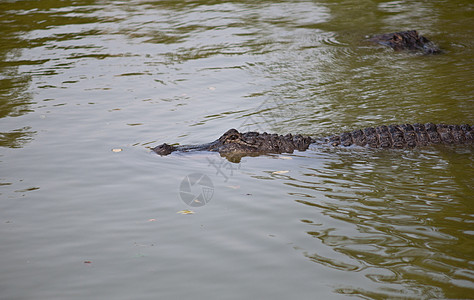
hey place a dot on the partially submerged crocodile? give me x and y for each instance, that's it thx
(406, 40)
(234, 144)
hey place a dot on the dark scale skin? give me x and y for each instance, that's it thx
(384, 136)
(421, 134)
(234, 144)
(406, 136)
(406, 40)
(371, 137)
(409, 134)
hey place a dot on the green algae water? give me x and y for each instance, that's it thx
(87, 211)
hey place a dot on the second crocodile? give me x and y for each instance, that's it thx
(406, 40)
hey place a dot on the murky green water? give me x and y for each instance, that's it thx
(79, 221)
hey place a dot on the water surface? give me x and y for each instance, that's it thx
(81, 78)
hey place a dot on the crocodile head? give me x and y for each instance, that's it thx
(164, 149)
(406, 40)
(230, 142)
(234, 145)
(235, 142)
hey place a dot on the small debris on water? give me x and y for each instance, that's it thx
(432, 195)
(280, 172)
(185, 212)
(285, 157)
(116, 150)
(151, 220)
(212, 88)
(87, 262)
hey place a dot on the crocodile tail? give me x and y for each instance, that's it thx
(405, 136)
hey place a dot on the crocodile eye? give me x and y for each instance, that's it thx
(233, 137)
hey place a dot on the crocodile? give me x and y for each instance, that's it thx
(235, 145)
(406, 40)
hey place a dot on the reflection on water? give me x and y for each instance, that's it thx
(16, 138)
(79, 78)
(408, 212)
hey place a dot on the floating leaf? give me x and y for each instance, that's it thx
(432, 195)
(185, 212)
(280, 172)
